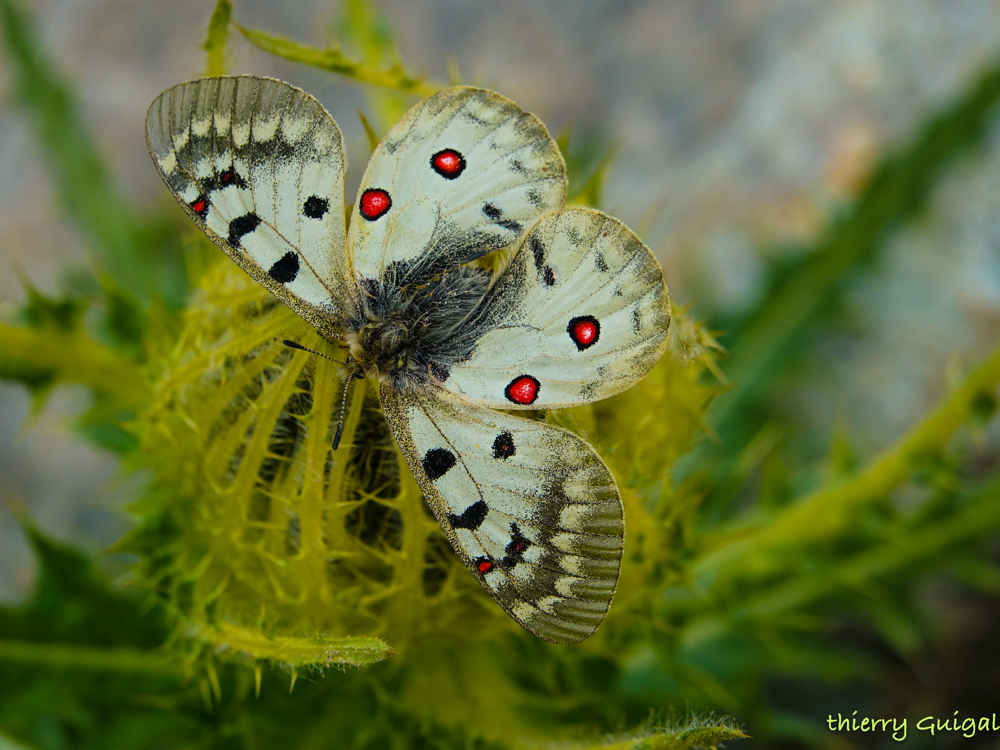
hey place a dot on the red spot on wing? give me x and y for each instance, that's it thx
(375, 202)
(485, 565)
(522, 390)
(200, 206)
(584, 331)
(448, 163)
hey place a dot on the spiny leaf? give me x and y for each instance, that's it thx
(364, 30)
(310, 652)
(73, 604)
(831, 511)
(675, 734)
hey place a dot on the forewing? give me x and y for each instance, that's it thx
(259, 166)
(530, 508)
(463, 173)
(579, 314)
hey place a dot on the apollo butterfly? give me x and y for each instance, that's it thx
(577, 313)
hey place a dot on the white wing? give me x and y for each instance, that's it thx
(463, 173)
(530, 508)
(259, 166)
(579, 314)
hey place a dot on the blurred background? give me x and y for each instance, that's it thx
(739, 132)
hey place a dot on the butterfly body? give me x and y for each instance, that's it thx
(576, 312)
(406, 335)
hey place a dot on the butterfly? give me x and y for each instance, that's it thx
(576, 312)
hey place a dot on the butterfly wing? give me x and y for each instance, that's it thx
(463, 173)
(579, 314)
(259, 166)
(530, 508)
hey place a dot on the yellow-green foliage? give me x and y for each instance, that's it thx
(267, 543)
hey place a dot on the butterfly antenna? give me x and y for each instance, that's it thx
(343, 410)
(294, 345)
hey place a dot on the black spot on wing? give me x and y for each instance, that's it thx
(224, 179)
(315, 207)
(471, 518)
(636, 319)
(600, 263)
(285, 269)
(538, 252)
(241, 226)
(503, 446)
(549, 276)
(515, 549)
(494, 213)
(437, 462)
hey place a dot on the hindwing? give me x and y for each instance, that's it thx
(580, 313)
(530, 508)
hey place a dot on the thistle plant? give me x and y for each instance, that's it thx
(262, 558)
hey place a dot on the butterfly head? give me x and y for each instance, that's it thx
(380, 348)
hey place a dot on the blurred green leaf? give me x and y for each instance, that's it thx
(771, 543)
(335, 61)
(29, 355)
(131, 251)
(373, 138)
(766, 340)
(215, 40)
